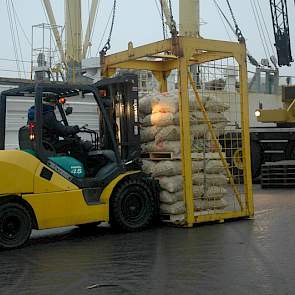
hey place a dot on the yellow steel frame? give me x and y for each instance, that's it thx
(184, 51)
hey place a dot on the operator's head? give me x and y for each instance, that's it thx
(50, 99)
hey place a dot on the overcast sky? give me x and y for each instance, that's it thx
(139, 21)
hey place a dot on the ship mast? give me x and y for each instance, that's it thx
(74, 52)
(189, 18)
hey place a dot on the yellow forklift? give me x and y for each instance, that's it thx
(41, 188)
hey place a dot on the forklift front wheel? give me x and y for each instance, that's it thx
(132, 205)
(15, 225)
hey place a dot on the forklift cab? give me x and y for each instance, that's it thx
(41, 188)
(112, 150)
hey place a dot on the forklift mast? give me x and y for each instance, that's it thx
(121, 103)
(279, 13)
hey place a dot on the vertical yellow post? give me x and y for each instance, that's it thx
(245, 133)
(184, 120)
(162, 79)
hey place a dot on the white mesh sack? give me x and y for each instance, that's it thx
(215, 105)
(198, 191)
(170, 198)
(148, 134)
(148, 166)
(171, 184)
(206, 156)
(214, 166)
(160, 119)
(172, 132)
(163, 146)
(201, 204)
(172, 168)
(167, 103)
(209, 179)
(176, 208)
(214, 117)
(146, 103)
(214, 191)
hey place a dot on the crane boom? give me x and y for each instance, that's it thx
(279, 12)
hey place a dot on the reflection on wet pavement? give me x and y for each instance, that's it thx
(243, 257)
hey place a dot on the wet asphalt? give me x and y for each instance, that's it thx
(242, 257)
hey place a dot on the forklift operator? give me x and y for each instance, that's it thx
(52, 128)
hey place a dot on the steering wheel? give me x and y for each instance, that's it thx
(84, 126)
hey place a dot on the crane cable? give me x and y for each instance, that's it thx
(224, 16)
(238, 32)
(266, 29)
(162, 19)
(17, 34)
(13, 38)
(260, 29)
(252, 60)
(107, 46)
(221, 16)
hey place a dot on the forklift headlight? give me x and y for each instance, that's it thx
(257, 113)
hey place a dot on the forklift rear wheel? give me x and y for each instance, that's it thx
(132, 206)
(15, 225)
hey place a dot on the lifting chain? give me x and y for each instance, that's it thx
(173, 32)
(107, 46)
(238, 32)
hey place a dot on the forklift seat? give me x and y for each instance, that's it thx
(108, 154)
(24, 139)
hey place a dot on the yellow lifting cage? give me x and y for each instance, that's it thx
(215, 60)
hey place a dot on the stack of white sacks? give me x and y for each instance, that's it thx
(160, 132)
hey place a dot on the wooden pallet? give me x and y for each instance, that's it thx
(278, 174)
(158, 156)
(179, 219)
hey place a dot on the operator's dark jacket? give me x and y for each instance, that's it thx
(52, 128)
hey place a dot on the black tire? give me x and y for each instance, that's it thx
(15, 225)
(233, 151)
(290, 151)
(132, 205)
(88, 226)
(234, 158)
(256, 159)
